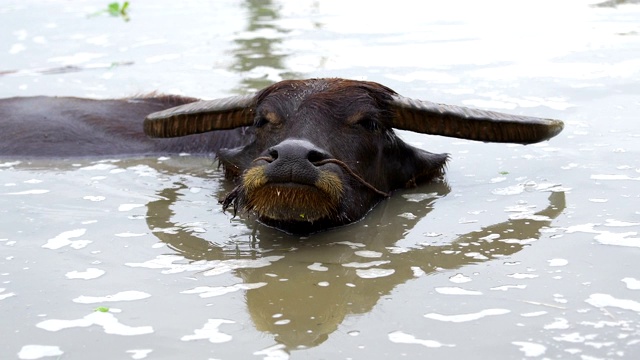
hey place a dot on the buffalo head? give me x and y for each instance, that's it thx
(324, 152)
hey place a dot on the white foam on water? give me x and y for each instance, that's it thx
(88, 274)
(632, 284)
(459, 279)
(418, 197)
(107, 321)
(374, 273)
(466, 317)
(29, 192)
(276, 352)
(211, 291)
(130, 295)
(558, 324)
(130, 234)
(606, 300)
(398, 249)
(522, 276)
(163, 262)
(454, 290)
(498, 179)
(528, 186)
(618, 239)
(369, 264)
(210, 332)
(417, 271)
(530, 349)
(137, 354)
(613, 177)
(618, 223)
(129, 207)
(585, 228)
(350, 244)
(574, 337)
(408, 215)
(626, 239)
(317, 267)
(490, 237)
(209, 268)
(223, 266)
(368, 254)
(510, 190)
(144, 170)
(77, 58)
(10, 164)
(558, 262)
(94, 198)
(98, 167)
(534, 314)
(508, 287)
(30, 352)
(7, 295)
(64, 239)
(400, 337)
(528, 216)
(476, 255)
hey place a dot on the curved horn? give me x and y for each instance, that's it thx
(201, 116)
(472, 124)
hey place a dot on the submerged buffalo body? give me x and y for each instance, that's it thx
(306, 154)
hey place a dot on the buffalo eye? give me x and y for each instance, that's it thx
(369, 123)
(260, 121)
(265, 118)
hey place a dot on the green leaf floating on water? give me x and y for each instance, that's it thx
(102, 309)
(115, 9)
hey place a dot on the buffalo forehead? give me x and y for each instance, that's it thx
(316, 100)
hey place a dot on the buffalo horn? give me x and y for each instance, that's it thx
(472, 124)
(201, 116)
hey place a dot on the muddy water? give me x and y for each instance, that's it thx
(523, 252)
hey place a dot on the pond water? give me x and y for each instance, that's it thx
(525, 251)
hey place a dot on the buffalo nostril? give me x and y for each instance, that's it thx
(273, 153)
(315, 156)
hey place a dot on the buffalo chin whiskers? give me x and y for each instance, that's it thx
(286, 202)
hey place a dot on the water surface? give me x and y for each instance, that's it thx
(522, 252)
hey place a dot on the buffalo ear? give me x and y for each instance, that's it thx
(201, 116)
(414, 166)
(472, 124)
(427, 167)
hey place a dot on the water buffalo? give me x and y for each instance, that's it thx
(307, 155)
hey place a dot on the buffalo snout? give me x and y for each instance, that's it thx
(294, 161)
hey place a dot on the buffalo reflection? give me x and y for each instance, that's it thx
(319, 281)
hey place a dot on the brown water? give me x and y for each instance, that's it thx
(525, 252)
